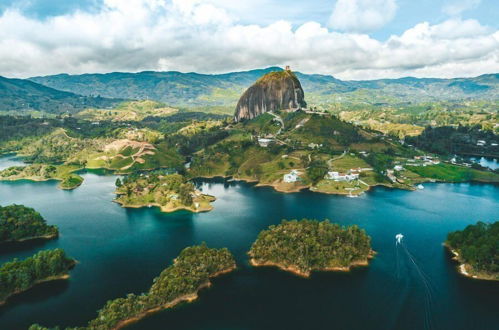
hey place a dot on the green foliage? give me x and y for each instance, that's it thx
(478, 246)
(454, 173)
(197, 90)
(18, 222)
(311, 245)
(25, 95)
(20, 275)
(160, 189)
(448, 140)
(317, 170)
(190, 271)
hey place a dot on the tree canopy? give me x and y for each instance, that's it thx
(478, 246)
(311, 245)
(18, 222)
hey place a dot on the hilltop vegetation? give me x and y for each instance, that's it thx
(20, 275)
(170, 192)
(410, 119)
(458, 140)
(309, 245)
(191, 271)
(20, 223)
(477, 248)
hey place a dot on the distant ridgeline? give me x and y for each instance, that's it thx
(204, 90)
(26, 95)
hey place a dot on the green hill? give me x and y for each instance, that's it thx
(20, 94)
(204, 90)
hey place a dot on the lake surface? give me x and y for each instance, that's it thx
(491, 163)
(121, 250)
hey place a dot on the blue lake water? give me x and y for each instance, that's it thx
(121, 250)
(486, 162)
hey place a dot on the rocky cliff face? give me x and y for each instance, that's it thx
(274, 91)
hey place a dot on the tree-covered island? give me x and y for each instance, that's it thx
(304, 246)
(20, 223)
(169, 192)
(20, 275)
(476, 248)
(190, 272)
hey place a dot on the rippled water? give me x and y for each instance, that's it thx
(121, 250)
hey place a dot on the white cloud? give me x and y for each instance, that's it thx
(362, 15)
(197, 35)
(456, 7)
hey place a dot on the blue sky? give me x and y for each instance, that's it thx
(352, 39)
(409, 12)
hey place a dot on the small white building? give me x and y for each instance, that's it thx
(398, 168)
(481, 143)
(264, 142)
(291, 177)
(336, 176)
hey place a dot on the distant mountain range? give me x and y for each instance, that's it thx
(21, 94)
(71, 93)
(197, 90)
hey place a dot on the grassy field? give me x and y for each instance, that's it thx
(454, 173)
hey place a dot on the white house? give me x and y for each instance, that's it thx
(336, 176)
(398, 168)
(264, 142)
(291, 176)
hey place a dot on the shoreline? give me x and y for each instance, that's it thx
(190, 297)
(48, 279)
(165, 209)
(463, 268)
(294, 270)
(32, 238)
(37, 179)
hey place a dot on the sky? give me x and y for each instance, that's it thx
(349, 39)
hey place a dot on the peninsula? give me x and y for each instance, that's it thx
(169, 192)
(45, 172)
(301, 247)
(475, 248)
(191, 271)
(21, 275)
(19, 223)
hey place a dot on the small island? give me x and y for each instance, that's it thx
(475, 248)
(304, 246)
(191, 271)
(19, 223)
(45, 172)
(169, 192)
(21, 275)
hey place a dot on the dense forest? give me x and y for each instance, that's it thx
(309, 245)
(18, 222)
(478, 246)
(190, 272)
(464, 140)
(20, 275)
